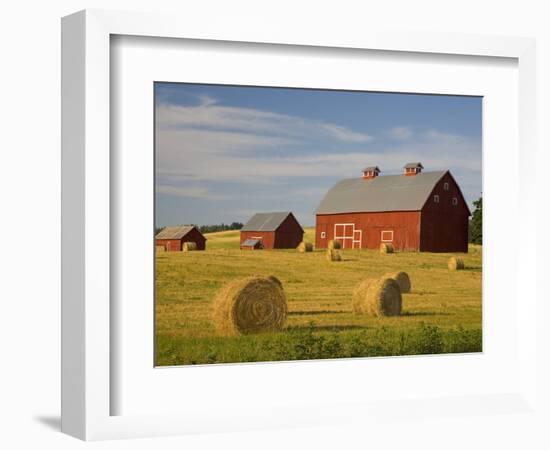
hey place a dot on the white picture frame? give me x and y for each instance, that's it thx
(87, 325)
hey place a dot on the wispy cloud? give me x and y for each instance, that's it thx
(400, 133)
(215, 117)
(345, 134)
(187, 191)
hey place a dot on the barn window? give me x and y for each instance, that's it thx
(387, 236)
(436, 198)
(445, 186)
(455, 201)
(323, 234)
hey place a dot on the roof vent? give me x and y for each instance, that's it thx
(413, 168)
(370, 172)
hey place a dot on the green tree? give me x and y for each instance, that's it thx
(476, 227)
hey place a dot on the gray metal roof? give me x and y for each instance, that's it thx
(265, 221)
(174, 232)
(250, 242)
(385, 193)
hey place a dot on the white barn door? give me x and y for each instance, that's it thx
(347, 235)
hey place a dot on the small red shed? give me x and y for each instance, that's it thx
(421, 211)
(172, 238)
(273, 230)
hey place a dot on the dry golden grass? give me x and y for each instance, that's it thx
(316, 291)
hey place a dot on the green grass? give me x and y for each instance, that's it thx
(442, 314)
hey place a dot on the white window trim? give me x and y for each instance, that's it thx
(455, 201)
(445, 186)
(382, 236)
(436, 198)
(323, 234)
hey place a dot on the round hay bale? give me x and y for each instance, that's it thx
(358, 297)
(386, 248)
(275, 280)
(402, 279)
(334, 245)
(378, 298)
(304, 247)
(455, 263)
(250, 305)
(333, 255)
(189, 247)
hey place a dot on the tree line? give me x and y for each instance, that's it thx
(475, 229)
(209, 228)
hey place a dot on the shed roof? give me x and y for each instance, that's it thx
(174, 232)
(250, 243)
(266, 221)
(371, 169)
(413, 165)
(387, 193)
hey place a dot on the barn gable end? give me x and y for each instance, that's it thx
(275, 230)
(444, 218)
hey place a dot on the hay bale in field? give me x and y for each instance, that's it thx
(189, 247)
(386, 248)
(334, 245)
(333, 255)
(160, 248)
(275, 280)
(359, 293)
(402, 279)
(455, 263)
(250, 305)
(304, 247)
(378, 298)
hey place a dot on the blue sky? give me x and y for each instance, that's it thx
(226, 152)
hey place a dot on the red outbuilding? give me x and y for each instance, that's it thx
(418, 211)
(271, 230)
(172, 238)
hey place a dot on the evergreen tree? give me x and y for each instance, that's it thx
(476, 228)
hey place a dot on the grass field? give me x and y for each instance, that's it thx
(442, 314)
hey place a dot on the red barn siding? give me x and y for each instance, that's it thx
(404, 224)
(444, 226)
(171, 245)
(267, 237)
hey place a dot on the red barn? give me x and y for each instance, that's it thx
(172, 238)
(272, 230)
(419, 211)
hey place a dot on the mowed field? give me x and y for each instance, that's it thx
(442, 314)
